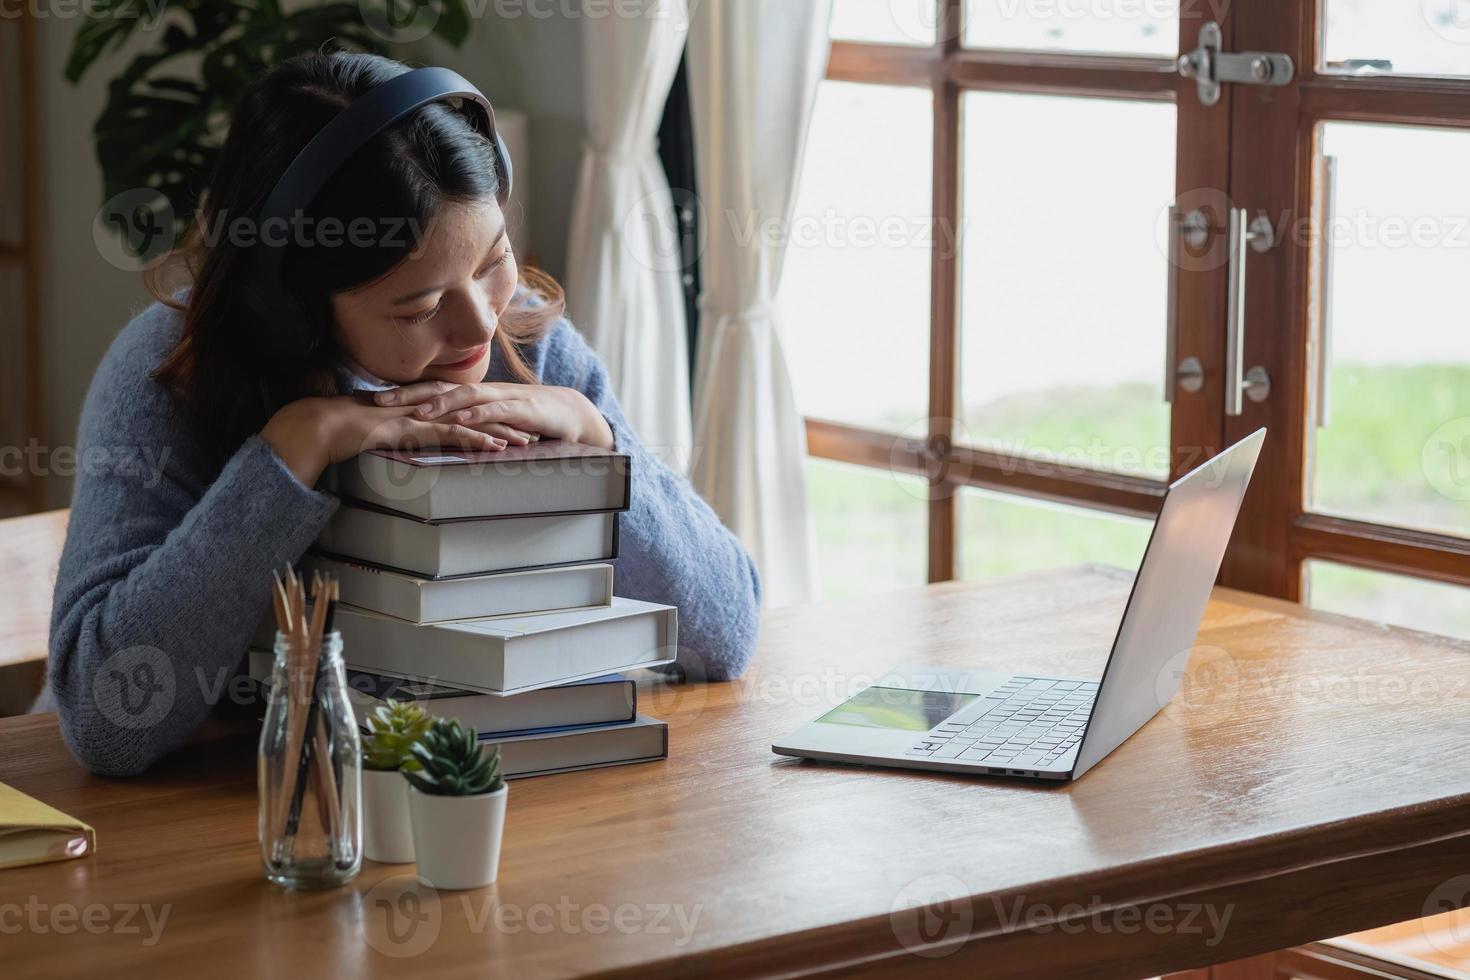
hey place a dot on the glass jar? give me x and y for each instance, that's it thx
(309, 772)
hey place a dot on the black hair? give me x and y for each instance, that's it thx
(366, 220)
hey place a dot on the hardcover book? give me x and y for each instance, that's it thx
(541, 754)
(446, 549)
(428, 600)
(512, 654)
(546, 477)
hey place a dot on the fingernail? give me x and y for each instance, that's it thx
(387, 397)
(461, 416)
(424, 410)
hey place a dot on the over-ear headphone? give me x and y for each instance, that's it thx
(282, 323)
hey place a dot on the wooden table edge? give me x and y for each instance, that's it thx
(871, 942)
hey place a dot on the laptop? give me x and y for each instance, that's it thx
(1041, 727)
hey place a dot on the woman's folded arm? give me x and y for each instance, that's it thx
(166, 568)
(673, 549)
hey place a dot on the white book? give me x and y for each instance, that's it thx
(512, 654)
(645, 740)
(472, 547)
(427, 600)
(547, 477)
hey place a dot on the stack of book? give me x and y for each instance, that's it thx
(477, 585)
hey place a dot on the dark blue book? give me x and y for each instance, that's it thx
(571, 749)
(608, 700)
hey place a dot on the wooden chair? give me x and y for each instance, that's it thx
(30, 550)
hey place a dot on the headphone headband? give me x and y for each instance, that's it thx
(347, 132)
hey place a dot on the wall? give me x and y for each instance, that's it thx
(527, 63)
(84, 300)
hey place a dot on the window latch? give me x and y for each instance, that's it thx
(1210, 67)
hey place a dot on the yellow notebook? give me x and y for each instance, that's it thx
(32, 832)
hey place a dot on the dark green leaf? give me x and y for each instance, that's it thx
(167, 111)
(454, 22)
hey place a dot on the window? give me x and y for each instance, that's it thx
(1062, 318)
(857, 245)
(962, 296)
(1002, 534)
(1367, 37)
(869, 527)
(1103, 27)
(1396, 599)
(884, 21)
(986, 299)
(1392, 432)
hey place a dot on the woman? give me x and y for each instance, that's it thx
(426, 336)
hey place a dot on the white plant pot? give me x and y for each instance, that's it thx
(387, 829)
(457, 838)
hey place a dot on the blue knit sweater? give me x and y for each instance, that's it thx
(168, 557)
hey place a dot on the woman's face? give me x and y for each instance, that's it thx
(433, 316)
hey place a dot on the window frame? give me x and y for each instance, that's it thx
(949, 69)
(1277, 532)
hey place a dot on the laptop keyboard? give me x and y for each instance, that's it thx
(1026, 723)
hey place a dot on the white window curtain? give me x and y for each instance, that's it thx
(754, 68)
(624, 288)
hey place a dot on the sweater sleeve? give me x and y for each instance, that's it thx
(672, 547)
(165, 572)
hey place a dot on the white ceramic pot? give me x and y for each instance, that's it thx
(387, 829)
(457, 838)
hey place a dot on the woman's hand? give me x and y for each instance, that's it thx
(515, 412)
(312, 433)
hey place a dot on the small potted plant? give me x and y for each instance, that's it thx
(457, 801)
(387, 830)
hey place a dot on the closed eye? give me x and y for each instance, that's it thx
(504, 258)
(429, 314)
(421, 317)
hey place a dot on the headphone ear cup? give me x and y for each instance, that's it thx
(507, 171)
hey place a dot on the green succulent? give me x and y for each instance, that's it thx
(392, 730)
(452, 762)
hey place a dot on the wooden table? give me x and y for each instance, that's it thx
(1310, 781)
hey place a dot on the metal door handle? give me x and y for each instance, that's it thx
(1324, 319)
(1260, 236)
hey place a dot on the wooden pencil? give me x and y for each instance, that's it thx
(296, 694)
(327, 778)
